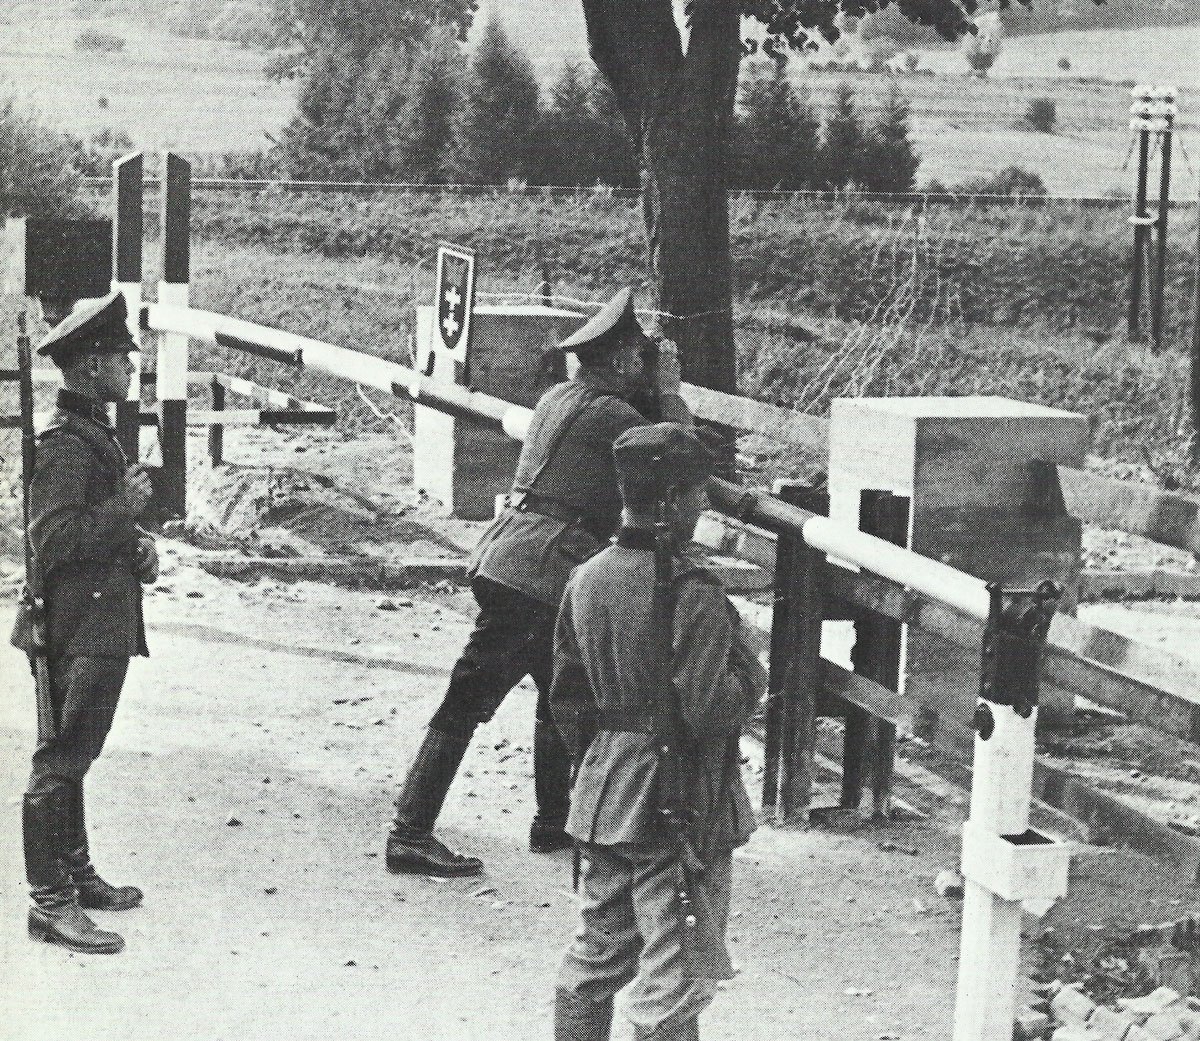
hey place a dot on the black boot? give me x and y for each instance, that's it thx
(552, 786)
(686, 1030)
(56, 916)
(91, 889)
(411, 847)
(578, 1019)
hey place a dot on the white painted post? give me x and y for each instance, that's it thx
(127, 278)
(173, 347)
(1005, 864)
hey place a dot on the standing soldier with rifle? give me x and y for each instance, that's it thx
(654, 678)
(80, 620)
(564, 508)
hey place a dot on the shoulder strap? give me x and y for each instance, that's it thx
(588, 399)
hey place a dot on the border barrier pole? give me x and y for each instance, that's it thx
(127, 278)
(1158, 301)
(173, 347)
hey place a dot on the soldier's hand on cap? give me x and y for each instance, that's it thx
(147, 559)
(667, 373)
(138, 490)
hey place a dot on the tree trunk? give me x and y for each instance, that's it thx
(681, 106)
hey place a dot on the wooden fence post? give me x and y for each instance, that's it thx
(216, 431)
(798, 637)
(876, 655)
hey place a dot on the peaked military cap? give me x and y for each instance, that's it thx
(94, 325)
(664, 455)
(605, 327)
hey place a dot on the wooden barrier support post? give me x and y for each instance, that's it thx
(1005, 864)
(1158, 299)
(800, 670)
(216, 431)
(876, 655)
(173, 347)
(127, 278)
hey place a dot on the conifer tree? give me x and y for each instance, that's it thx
(494, 132)
(842, 141)
(777, 138)
(426, 121)
(890, 161)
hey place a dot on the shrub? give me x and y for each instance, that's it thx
(1041, 115)
(889, 161)
(842, 142)
(94, 158)
(99, 41)
(912, 61)
(38, 176)
(1012, 180)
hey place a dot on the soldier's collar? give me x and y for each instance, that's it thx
(602, 380)
(636, 538)
(81, 405)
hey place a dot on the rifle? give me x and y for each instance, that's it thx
(673, 803)
(30, 632)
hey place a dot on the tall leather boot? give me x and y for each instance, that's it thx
(578, 1019)
(411, 847)
(552, 786)
(685, 1030)
(56, 916)
(91, 889)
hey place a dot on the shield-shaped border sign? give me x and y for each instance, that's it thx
(454, 301)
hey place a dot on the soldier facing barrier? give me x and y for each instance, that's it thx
(563, 509)
(655, 679)
(88, 561)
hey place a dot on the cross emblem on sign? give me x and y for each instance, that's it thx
(450, 323)
(453, 293)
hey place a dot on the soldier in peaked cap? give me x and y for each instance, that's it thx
(563, 508)
(654, 903)
(89, 561)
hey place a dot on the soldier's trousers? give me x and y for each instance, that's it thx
(513, 638)
(633, 931)
(84, 691)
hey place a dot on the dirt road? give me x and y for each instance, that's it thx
(285, 924)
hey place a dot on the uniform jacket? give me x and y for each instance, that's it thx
(534, 553)
(84, 536)
(604, 658)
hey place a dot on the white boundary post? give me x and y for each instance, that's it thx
(1005, 864)
(173, 347)
(127, 278)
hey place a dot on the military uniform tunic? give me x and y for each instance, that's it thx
(566, 506)
(604, 660)
(85, 542)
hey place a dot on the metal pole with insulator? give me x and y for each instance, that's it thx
(173, 347)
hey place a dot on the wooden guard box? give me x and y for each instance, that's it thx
(462, 464)
(985, 499)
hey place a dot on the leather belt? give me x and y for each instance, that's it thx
(531, 502)
(625, 721)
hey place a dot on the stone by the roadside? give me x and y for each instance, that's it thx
(1111, 1024)
(1166, 1025)
(1151, 1004)
(949, 884)
(1030, 1025)
(1074, 1032)
(233, 822)
(1071, 1005)
(386, 605)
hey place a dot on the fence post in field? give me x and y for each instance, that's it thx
(981, 476)
(1141, 220)
(1158, 301)
(127, 278)
(876, 655)
(1195, 358)
(172, 372)
(1007, 867)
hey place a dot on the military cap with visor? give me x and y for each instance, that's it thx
(664, 455)
(605, 329)
(99, 325)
